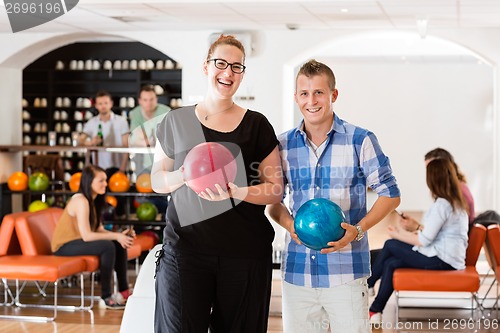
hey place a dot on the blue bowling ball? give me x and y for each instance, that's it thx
(317, 222)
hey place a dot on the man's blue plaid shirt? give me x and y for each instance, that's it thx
(350, 161)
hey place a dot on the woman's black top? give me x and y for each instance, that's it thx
(225, 228)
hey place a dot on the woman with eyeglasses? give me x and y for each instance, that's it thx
(214, 270)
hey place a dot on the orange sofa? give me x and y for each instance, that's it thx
(25, 255)
(35, 230)
(18, 267)
(467, 280)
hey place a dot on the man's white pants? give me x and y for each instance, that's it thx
(343, 309)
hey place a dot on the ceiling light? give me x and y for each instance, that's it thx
(344, 10)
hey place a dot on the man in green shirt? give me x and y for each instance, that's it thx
(147, 110)
(143, 121)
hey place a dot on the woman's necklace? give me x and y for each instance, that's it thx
(213, 114)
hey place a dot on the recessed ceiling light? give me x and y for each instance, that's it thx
(344, 10)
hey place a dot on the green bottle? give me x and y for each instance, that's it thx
(99, 134)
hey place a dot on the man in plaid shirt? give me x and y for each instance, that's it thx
(326, 157)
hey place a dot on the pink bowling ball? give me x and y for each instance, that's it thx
(207, 164)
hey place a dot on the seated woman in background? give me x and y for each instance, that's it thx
(79, 231)
(441, 245)
(440, 153)
(469, 200)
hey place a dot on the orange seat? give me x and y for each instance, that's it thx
(467, 280)
(410, 279)
(9, 244)
(35, 231)
(17, 266)
(42, 224)
(38, 268)
(134, 252)
(45, 268)
(146, 242)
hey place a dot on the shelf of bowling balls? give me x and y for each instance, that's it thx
(129, 217)
(36, 108)
(34, 119)
(68, 192)
(82, 149)
(132, 195)
(48, 149)
(88, 151)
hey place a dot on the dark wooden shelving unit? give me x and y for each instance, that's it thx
(41, 79)
(60, 190)
(156, 225)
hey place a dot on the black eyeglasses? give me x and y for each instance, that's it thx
(237, 68)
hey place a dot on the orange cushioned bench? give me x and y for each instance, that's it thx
(38, 268)
(133, 253)
(9, 245)
(467, 280)
(141, 243)
(146, 242)
(33, 232)
(30, 235)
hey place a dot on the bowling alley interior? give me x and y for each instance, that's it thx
(418, 74)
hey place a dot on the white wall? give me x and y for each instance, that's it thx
(456, 97)
(415, 106)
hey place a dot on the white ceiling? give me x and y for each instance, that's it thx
(236, 15)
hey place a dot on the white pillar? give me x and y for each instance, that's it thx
(10, 119)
